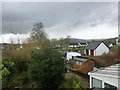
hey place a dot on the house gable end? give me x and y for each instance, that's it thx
(101, 49)
(100, 44)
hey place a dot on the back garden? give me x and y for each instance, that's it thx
(38, 65)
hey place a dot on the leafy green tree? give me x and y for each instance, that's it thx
(54, 42)
(46, 68)
(20, 58)
(6, 72)
(116, 50)
(64, 41)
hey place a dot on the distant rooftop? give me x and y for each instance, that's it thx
(74, 41)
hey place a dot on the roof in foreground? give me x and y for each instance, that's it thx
(110, 74)
(110, 71)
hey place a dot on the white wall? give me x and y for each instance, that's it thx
(89, 52)
(109, 80)
(102, 48)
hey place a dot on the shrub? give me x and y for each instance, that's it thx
(105, 60)
(7, 65)
(19, 79)
(72, 82)
(116, 50)
(24, 77)
(46, 67)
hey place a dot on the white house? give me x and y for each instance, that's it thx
(70, 54)
(96, 48)
(105, 78)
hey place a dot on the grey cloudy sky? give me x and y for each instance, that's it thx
(85, 20)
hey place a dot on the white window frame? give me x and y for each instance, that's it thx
(77, 62)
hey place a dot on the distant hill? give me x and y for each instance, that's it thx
(111, 40)
(75, 40)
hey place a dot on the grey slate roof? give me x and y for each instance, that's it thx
(93, 45)
(112, 71)
(80, 59)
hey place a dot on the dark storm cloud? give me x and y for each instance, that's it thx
(20, 17)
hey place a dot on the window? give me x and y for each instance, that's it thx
(80, 63)
(77, 62)
(110, 86)
(96, 83)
